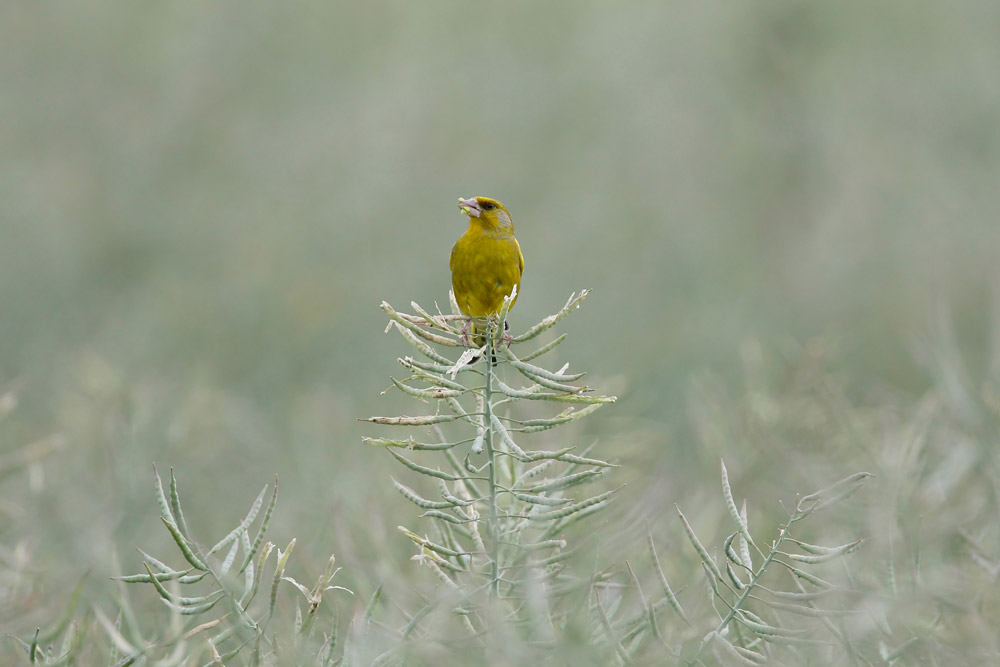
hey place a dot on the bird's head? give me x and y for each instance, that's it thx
(488, 212)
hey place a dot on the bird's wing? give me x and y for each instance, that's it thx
(520, 258)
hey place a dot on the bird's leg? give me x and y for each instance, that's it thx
(506, 337)
(466, 340)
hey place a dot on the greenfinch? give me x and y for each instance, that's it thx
(486, 261)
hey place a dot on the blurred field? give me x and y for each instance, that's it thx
(788, 213)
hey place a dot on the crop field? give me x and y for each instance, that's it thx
(746, 411)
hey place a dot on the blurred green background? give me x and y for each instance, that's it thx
(203, 204)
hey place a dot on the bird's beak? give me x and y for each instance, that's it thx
(470, 207)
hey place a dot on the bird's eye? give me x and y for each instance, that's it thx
(488, 206)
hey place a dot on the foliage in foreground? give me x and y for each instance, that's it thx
(504, 506)
(886, 576)
(220, 603)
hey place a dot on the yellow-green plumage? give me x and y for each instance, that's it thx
(486, 262)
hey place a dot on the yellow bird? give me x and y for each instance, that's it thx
(486, 262)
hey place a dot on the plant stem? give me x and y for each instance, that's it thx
(736, 606)
(491, 467)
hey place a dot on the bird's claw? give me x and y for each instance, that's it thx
(466, 340)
